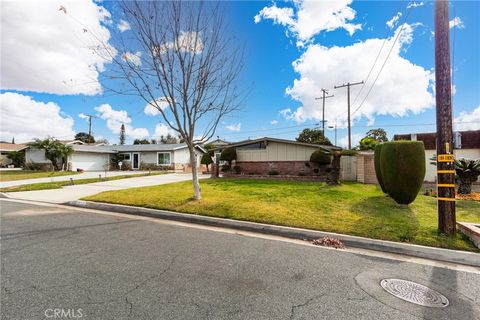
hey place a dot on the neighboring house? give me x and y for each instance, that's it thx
(466, 145)
(286, 157)
(97, 157)
(6, 148)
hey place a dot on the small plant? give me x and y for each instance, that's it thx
(237, 169)
(467, 172)
(301, 173)
(316, 171)
(273, 172)
(226, 168)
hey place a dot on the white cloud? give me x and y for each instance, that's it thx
(273, 122)
(456, 22)
(123, 26)
(26, 119)
(133, 58)
(45, 49)
(415, 4)
(164, 130)
(82, 116)
(115, 119)
(234, 127)
(310, 17)
(468, 120)
(186, 42)
(402, 88)
(356, 137)
(151, 109)
(393, 22)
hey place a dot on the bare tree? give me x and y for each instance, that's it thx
(178, 58)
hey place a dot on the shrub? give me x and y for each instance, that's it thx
(153, 166)
(467, 172)
(229, 154)
(378, 172)
(316, 170)
(273, 172)
(368, 144)
(301, 173)
(237, 169)
(349, 152)
(226, 168)
(320, 158)
(206, 160)
(402, 167)
(38, 166)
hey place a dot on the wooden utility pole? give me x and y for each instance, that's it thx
(348, 85)
(445, 165)
(323, 97)
(90, 123)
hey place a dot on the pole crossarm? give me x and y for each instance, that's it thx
(323, 97)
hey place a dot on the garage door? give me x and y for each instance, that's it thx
(89, 161)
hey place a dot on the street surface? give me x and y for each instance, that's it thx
(110, 266)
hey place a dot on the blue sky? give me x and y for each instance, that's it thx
(281, 99)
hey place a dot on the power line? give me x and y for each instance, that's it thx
(323, 97)
(376, 58)
(386, 59)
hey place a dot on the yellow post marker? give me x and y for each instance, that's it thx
(445, 158)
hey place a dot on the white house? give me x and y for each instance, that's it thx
(466, 145)
(140, 156)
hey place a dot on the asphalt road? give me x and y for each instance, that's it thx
(97, 266)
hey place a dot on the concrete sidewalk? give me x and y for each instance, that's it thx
(84, 175)
(76, 192)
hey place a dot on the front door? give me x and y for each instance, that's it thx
(136, 161)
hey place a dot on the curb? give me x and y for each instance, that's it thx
(454, 256)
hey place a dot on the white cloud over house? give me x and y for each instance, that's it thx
(468, 120)
(234, 127)
(115, 119)
(394, 21)
(310, 17)
(26, 119)
(47, 46)
(401, 89)
(151, 108)
(163, 130)
(343, 142)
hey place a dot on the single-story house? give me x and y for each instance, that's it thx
(286, 157)
(5, 149)
(466, 145)
(137, 157)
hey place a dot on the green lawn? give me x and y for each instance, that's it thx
(60, 184)
(25, 174)
(352, 208)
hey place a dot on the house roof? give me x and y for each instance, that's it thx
(9, 147)
(469, 139)
(93, 148)
(131, 148)
(218, 142)
(247, 142)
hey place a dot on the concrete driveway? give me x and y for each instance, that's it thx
(84, 175)
(76, 192)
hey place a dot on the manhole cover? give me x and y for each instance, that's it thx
(414, 293)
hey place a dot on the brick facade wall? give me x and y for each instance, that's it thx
(366, 168)
(292, 168)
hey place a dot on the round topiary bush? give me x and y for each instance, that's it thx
(320, 157)
(378, 172)
(229, 154)
(402, 167)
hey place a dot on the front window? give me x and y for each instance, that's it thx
(125, 156)
(163, 158)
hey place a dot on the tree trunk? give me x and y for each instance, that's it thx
(193, 163)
